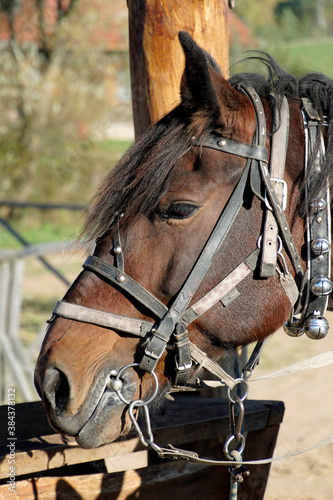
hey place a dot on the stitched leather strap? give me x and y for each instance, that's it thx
(101, 318)
(277, 165)
(222, 289)
(226, 145)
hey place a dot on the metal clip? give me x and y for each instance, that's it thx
(237, 473)
(177, 454)
(144, 441)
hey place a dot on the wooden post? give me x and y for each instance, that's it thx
(156, 57)
(157, 63)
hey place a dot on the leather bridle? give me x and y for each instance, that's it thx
(307, 293)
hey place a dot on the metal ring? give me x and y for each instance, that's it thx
(240, 449)
(242, 398)
(138, 402)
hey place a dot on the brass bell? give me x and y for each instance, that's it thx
(321, 286)
(320, 246)
(293, 330)
(316, 327)
(318, 204)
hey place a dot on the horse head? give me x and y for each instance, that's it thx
(177, 266)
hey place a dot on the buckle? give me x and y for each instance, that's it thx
(152, 354)
(284, 193)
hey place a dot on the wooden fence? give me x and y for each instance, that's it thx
(17, 360)
(50, 467)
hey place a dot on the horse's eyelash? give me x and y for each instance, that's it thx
(176, 208)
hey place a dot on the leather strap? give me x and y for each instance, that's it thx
(203, 361)
(226, 145)
(269, 242)
(222, 289)
(101, 318)
(281, 220)
(127, 284)
(117, 250)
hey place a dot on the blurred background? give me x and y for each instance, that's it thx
(65, 98)
(65, 120)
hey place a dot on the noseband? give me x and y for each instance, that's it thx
(307, 293)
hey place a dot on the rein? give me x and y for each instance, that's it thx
(307, 293)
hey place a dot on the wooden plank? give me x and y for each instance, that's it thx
(191, 420)
(43, 454)
(30, 420)
(133, 461)
(165, 481)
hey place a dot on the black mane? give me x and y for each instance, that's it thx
(316, 87)
(140, 179)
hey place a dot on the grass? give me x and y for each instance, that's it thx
(297, 57)
(317, 55)
(37, 232)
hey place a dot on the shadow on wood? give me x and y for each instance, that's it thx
(50, 466)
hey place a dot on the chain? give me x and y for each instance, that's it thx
(235, 444)
(233, 447)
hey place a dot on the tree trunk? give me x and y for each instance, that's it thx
(156, 57)
(157, 63)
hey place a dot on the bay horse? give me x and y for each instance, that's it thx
(210, 234)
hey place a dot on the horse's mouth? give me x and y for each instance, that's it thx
(100, 420)
(108, 421)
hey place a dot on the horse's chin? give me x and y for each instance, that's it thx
(108, 421)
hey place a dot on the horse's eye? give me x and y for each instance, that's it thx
(178, 211)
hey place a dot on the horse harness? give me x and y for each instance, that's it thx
(307, 293)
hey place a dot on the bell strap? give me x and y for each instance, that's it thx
(318, 224)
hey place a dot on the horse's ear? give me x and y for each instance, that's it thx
(202, 85)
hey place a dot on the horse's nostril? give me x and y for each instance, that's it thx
(62, 392)
(56, 389)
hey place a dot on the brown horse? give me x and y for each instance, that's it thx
(162, 246)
